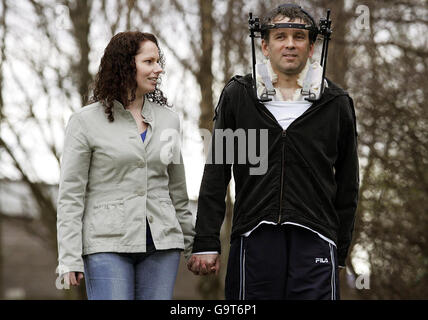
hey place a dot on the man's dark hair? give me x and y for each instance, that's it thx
(292, 12)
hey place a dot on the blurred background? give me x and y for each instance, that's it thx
(49, 55)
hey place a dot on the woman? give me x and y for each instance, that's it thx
(122, 203)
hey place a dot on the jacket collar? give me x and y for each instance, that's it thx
(146, 111)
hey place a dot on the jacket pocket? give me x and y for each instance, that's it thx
(167, 208)
(108, 219)
(169, 217)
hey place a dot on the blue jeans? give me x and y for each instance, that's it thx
(131, 276)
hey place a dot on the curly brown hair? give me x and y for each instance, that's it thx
(116, 77)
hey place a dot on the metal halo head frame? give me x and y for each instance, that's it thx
(312, 27)
(324, 30)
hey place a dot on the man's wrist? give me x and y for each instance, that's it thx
(205, 252)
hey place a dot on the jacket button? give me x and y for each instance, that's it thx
(141, 164)
(284, 133)
(150, 219)
(141, 193)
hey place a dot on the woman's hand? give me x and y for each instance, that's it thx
(74, 278)
(203, 264)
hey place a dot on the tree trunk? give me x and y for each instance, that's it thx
(2, 59)
(210, 286)
(205, 76)
(80, 18)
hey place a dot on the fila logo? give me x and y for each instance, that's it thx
(321, 260)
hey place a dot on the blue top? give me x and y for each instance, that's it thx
(149, 239)
(143, 135)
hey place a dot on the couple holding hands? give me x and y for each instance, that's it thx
(123, 217)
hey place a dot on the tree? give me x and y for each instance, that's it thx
(51, 75)
(383, 67)
(3, 27)
(385, 75)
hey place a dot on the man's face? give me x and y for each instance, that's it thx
(288, 49)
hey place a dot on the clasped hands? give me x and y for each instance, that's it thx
(203, 264)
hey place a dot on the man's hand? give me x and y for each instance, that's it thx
(203, 264)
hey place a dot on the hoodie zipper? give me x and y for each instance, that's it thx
(283, 135)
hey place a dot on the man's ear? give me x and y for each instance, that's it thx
(265, 48)
(311, 49)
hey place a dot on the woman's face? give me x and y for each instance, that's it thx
(148, 67)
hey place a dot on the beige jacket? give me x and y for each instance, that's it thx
(111, 181)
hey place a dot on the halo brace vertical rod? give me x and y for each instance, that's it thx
(254, 24)
(324, 29)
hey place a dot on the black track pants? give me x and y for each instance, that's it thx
(282, 262)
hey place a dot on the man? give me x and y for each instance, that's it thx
(292, 225)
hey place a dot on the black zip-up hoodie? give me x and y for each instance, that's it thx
(312, 176)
